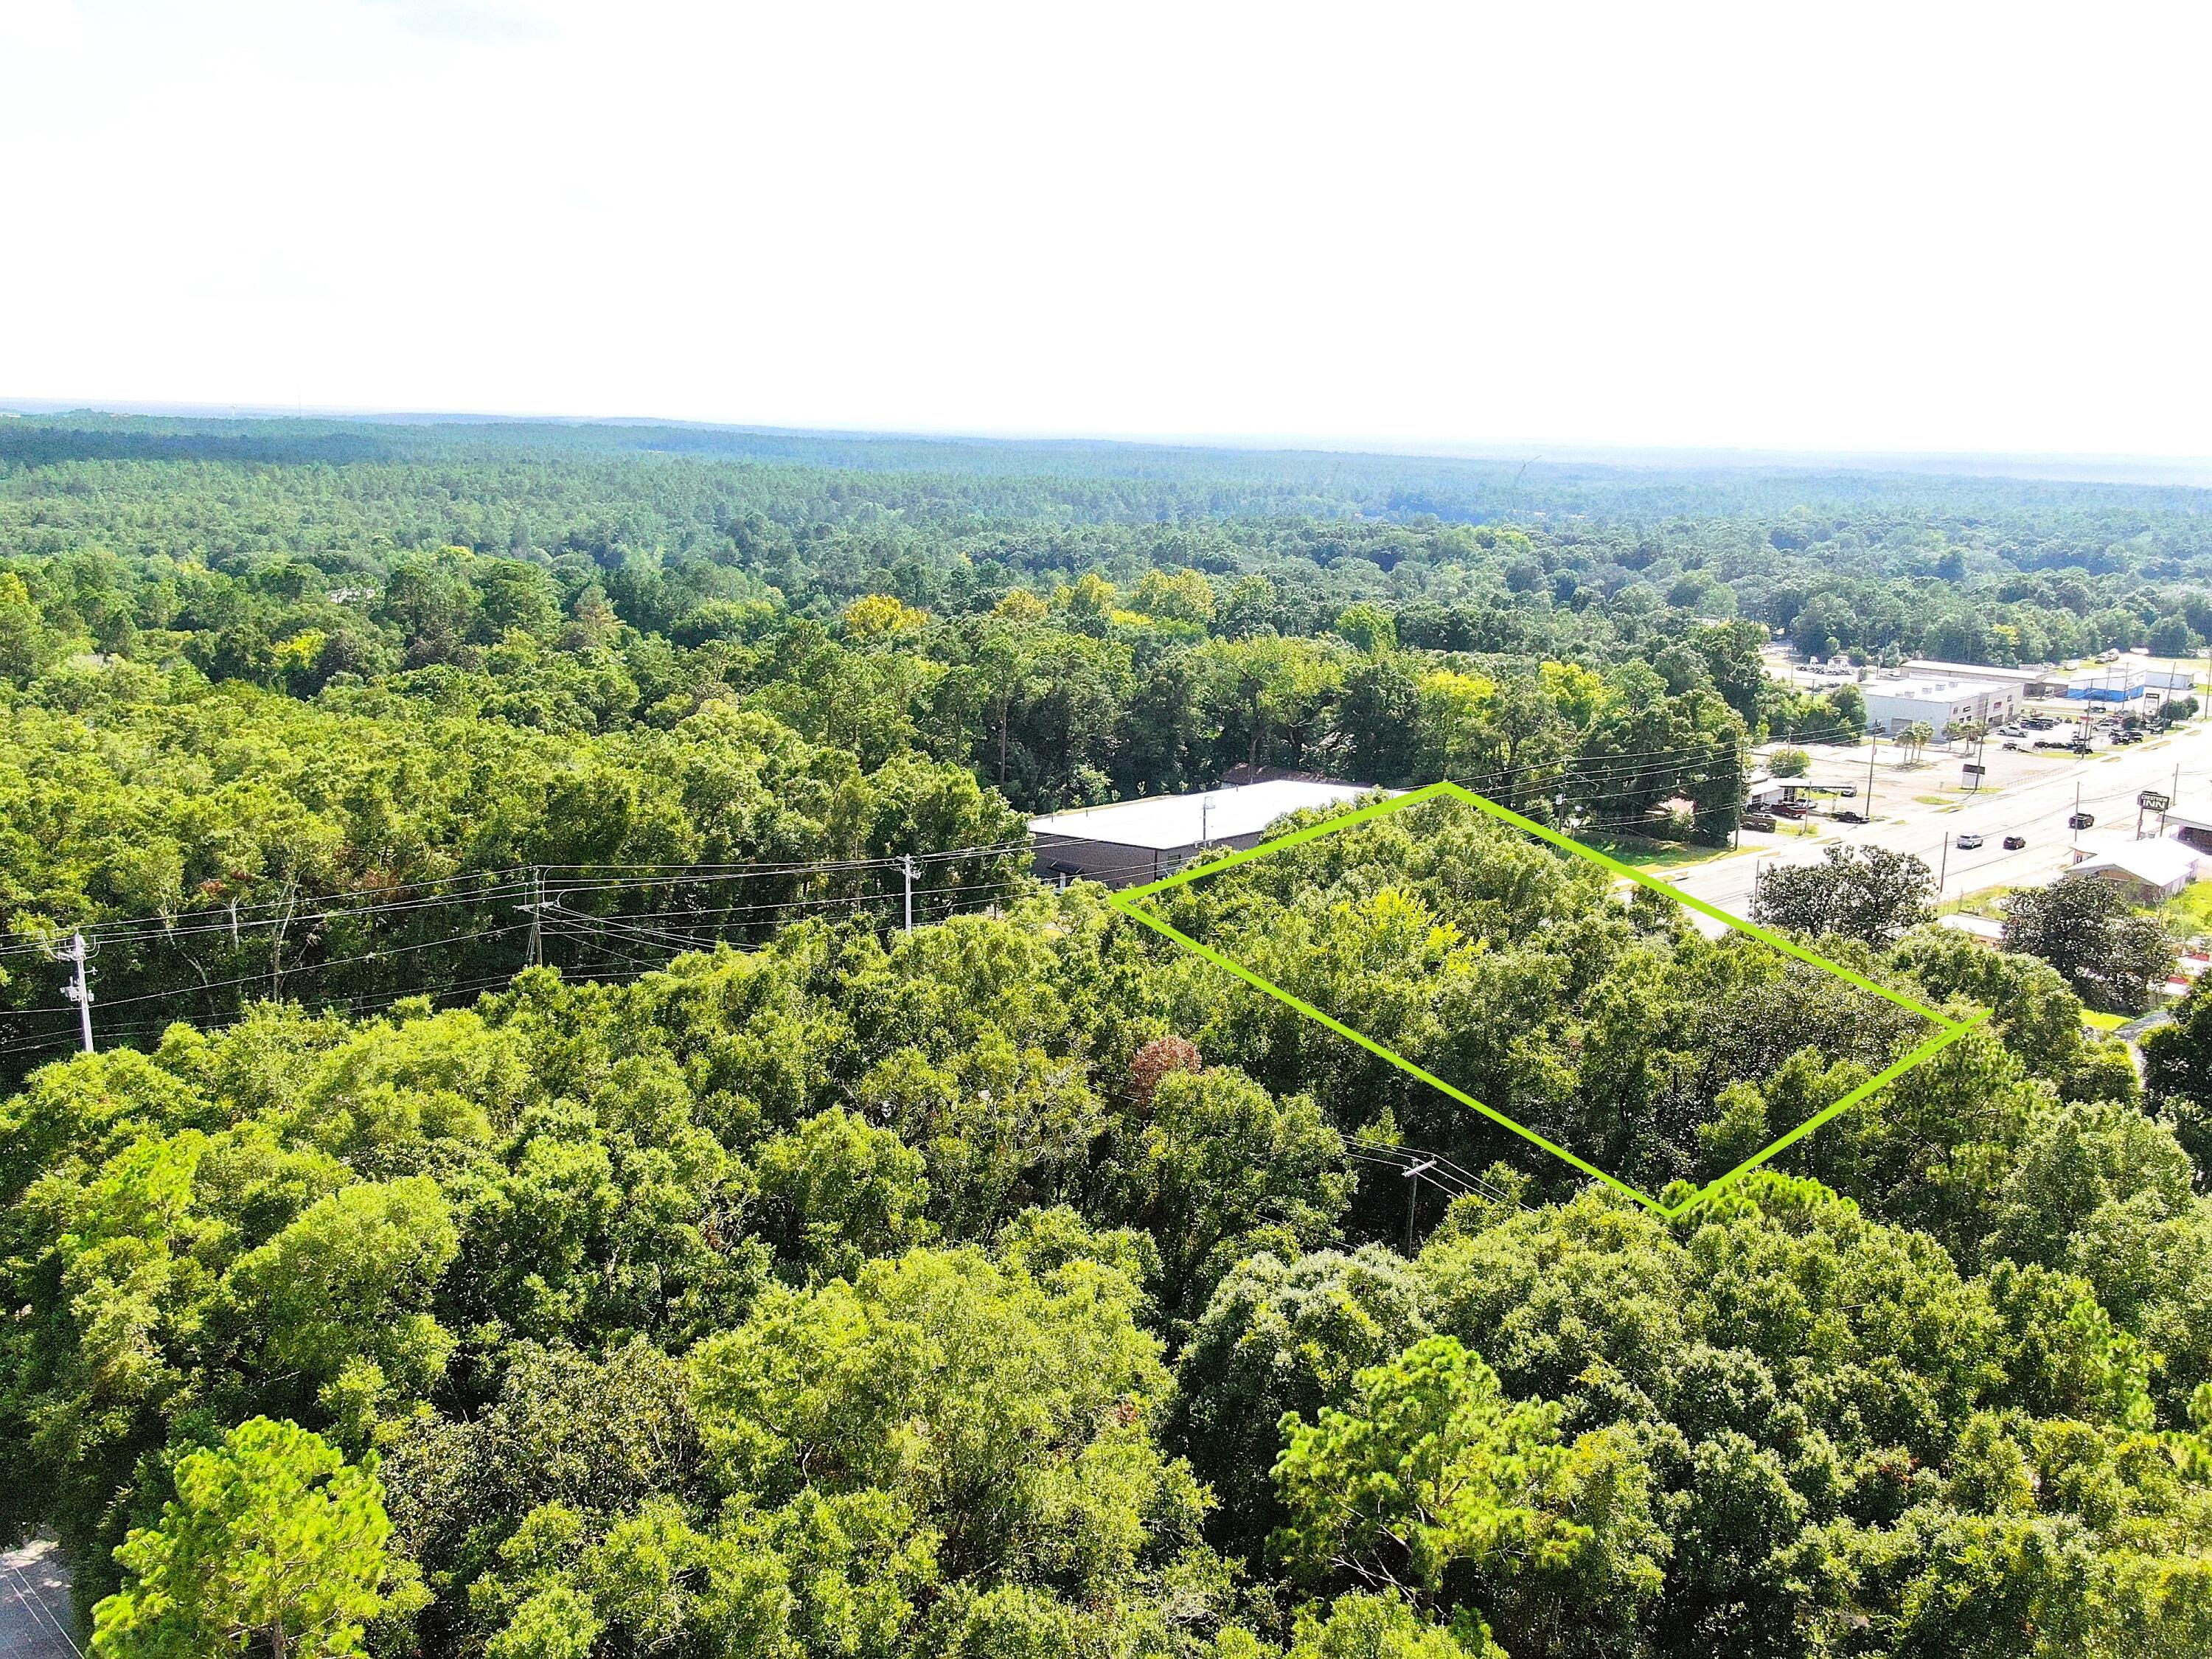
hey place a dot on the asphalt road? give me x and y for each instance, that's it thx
(36, 1621)
(2035, 796)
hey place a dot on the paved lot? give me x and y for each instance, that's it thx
(35, 1618)
(2026, 793)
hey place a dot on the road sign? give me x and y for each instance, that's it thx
(2153, 800)
(1975, 768)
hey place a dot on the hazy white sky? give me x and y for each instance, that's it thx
(1858, 226)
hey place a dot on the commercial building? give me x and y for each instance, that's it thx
(2119, 682)
(1139, 841)
(1930, 668)
(1940, 703)
(2040, 679)
(2191, 823)
(2147, 871)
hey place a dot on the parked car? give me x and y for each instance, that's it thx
(1790, 809)
(1850, 817)
(2013, 843)
(1968, 843)
(2012, 731)
(1758, 820)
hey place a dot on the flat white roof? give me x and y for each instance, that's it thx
(1990, 931)
(2157, 862)
(1923, 690)
(1162, 822)
(1973, 671)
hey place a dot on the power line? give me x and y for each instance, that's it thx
(1584, 769)
(607, 933)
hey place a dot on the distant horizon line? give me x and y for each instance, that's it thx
(2111, 466)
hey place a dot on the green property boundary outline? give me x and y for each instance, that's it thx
(1129, 903)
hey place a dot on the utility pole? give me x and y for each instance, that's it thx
(79, 990)
(536, 908)
(1874, 747)
(1412, 1195)
(906, 868)
(1204, 820)
(1942, 870)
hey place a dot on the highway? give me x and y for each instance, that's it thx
(2034, 797)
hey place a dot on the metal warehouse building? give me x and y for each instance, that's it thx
(1893, 705)
(1139, 841)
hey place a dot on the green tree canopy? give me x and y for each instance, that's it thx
(273, 1544)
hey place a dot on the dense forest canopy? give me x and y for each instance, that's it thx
(536, 1198)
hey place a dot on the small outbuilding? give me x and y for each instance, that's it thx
(1139, 841)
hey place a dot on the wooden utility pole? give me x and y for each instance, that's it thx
(1412, 1195)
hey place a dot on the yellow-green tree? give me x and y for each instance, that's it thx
(273, 1545)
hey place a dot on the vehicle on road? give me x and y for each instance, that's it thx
(1969, 841)
(2013, 843)
(1850, 817)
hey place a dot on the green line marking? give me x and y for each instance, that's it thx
(1129, 901)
